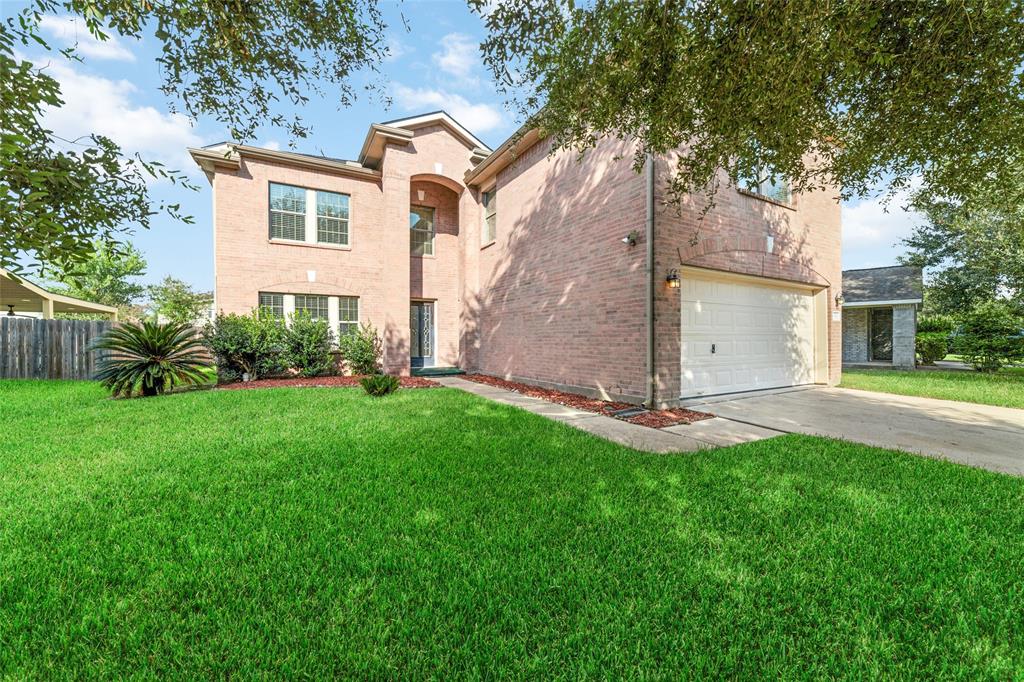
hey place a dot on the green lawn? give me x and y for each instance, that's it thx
(322, 533)
(1004, 388)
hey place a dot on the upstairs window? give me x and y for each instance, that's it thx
(332, 218)
(287, 212)
(490, 228)
(764, 182)
(292, 219)
(421, 231)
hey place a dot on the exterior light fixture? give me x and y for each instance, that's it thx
(673, 279)
(840, 300)
(632, 238)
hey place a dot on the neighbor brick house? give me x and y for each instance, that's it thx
(532, 266)
(880, 315)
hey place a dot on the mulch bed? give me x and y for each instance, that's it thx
(324, 382)
(656, 419)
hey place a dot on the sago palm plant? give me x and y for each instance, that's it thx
(150, 358)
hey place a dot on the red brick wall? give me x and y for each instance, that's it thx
(560, 297)
(732, 237)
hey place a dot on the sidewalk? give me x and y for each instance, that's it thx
(702, 435)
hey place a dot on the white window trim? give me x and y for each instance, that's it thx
(433, 232)
(333, 311)
(310, 217)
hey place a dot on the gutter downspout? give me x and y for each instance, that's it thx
(649, 303)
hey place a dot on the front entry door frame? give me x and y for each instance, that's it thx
(422, 333)
(880, 334)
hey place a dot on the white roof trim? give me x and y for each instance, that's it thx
(435, 117)
(870, 304)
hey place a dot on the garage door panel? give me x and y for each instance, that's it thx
(763, 337)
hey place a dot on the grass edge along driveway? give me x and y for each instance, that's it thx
(1001, 389)
(319, 532)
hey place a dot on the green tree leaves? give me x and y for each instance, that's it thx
(848, 93)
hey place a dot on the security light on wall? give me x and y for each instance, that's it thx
(672, 280)
(840, 300)
(632, 238)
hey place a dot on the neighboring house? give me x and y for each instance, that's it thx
(532, 266)
(21, 298)
(880, 315)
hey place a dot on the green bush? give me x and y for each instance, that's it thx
(240, 344)
(933, 322)
(379, 384)
(150, 358)
(990, 336)
(362, 350)
(307, 346)
(932, 346)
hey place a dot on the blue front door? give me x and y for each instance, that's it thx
(421, 333)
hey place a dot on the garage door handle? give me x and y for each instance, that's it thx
(712, 349)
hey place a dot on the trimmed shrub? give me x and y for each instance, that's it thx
(242, 344)
(150, 358)
(990, 337)
(307, 346)
(362, 350)
(932, 346)
(379, 384)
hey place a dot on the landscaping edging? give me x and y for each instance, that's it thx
(655, 419)
(323, 382)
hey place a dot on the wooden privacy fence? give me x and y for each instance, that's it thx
(48, 349)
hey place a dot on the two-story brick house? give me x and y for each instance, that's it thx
(532, 266)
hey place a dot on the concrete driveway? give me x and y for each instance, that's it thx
(977, 435)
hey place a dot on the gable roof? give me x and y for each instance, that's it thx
(890, 284)
(444, 118)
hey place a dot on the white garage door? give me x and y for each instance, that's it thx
(738, 336)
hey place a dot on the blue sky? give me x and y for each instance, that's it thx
(433, 65)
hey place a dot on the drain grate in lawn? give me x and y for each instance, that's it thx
(656, 419)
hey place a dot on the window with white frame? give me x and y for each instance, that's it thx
(490, 227)
(348, 315)
(287, 212)
(765, 182)
(291, 219)
(421, 230)
(272, 304)
(313, 305)
(332, 218)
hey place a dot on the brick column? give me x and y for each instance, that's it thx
(395, 265)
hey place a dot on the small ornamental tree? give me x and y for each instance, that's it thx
(990, 336)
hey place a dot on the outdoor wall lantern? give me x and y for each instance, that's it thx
(673, 279)
(840, 300)
(632, 238)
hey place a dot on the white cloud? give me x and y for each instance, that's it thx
(458, 56)
(73, 31)
(272, 145)
(873, 230)
(397, 48)
(478, 118)
(106, 107)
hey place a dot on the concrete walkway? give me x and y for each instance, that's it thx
(976, 435)
(710, 433)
